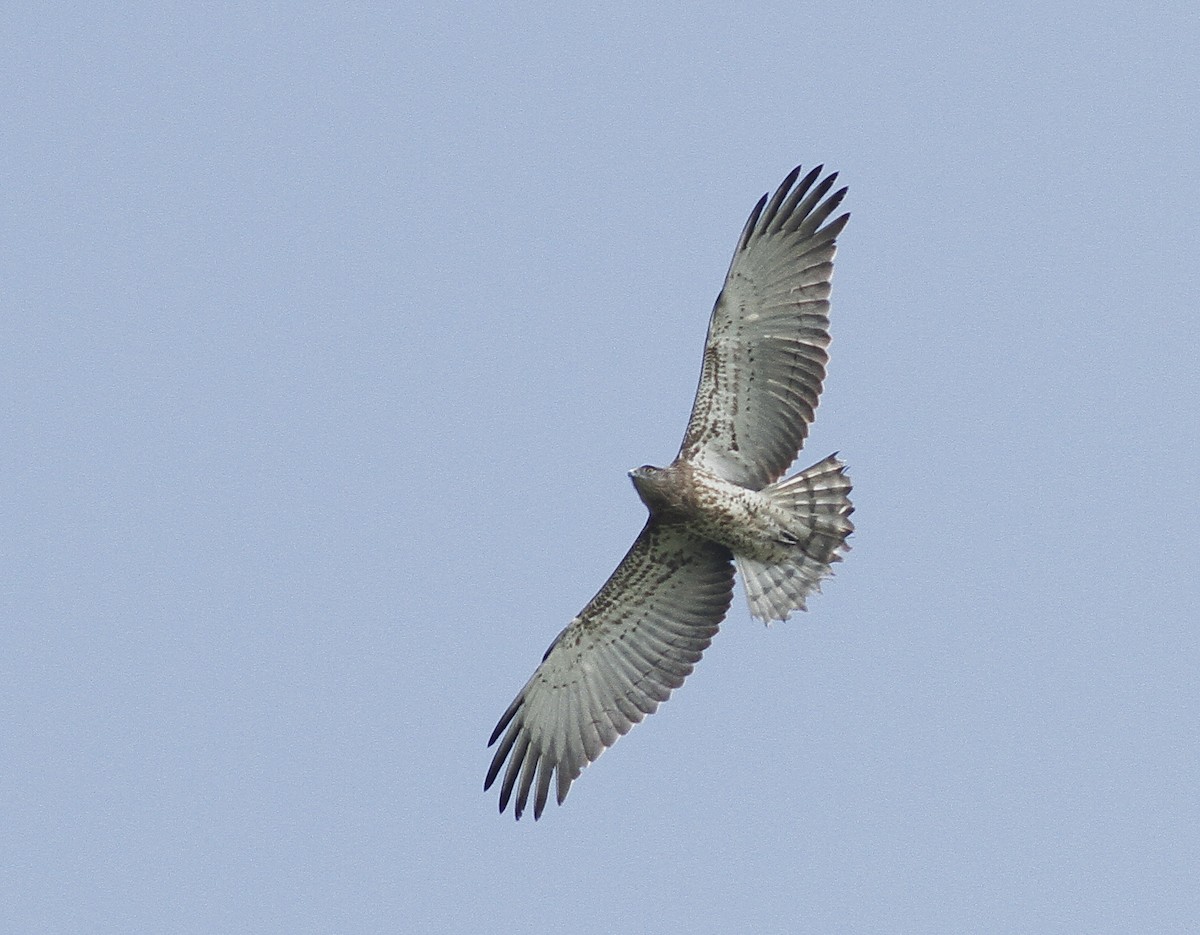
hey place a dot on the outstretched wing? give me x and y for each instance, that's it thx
(634, 642)
(764, 360)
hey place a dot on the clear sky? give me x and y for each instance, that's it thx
(328, 334)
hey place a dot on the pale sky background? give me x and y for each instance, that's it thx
(328, 334)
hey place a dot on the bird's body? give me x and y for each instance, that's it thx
(750, 523)
(719, 503)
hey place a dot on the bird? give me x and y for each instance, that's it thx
(718, 506)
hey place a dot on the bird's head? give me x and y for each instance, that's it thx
(651, 484)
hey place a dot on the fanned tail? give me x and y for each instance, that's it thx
(818, 501)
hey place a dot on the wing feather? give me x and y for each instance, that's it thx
(635, 642)
(765, 355)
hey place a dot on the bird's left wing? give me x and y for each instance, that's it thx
(764, 359)
(634, 642)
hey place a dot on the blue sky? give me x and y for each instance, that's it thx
(328, 337)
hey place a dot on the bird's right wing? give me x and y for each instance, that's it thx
(634, 642)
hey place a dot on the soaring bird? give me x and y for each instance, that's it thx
(720, 503)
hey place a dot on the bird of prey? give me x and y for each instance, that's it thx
(720, 503)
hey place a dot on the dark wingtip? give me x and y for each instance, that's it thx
(781, 193)
(752, 222)
(788, 181)
(507, 717)
(818, 214)
(831, 231)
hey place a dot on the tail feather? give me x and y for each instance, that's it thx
(819, 508)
